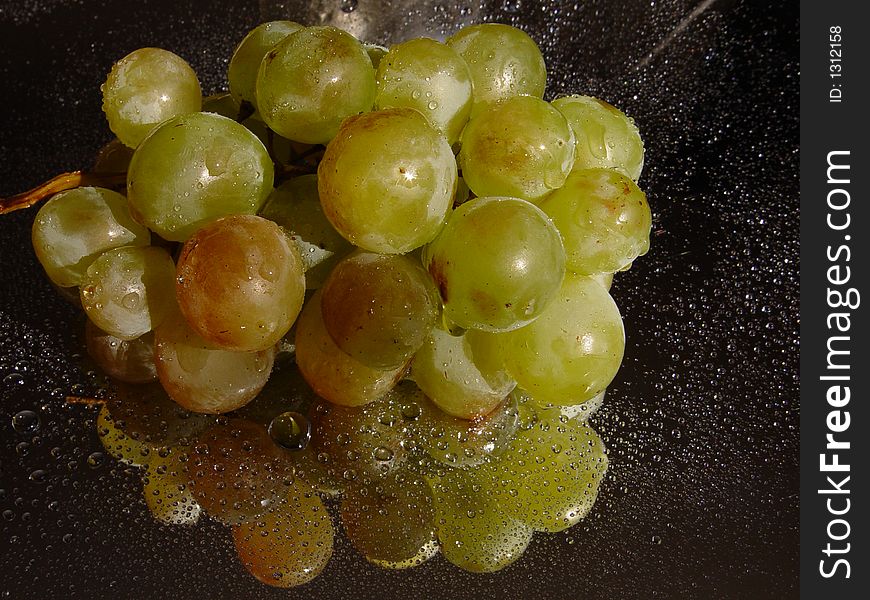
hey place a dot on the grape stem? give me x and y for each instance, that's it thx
(60, 183)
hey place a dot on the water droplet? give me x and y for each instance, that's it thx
(131, 301)
(25, 421)
(383, 454)
(290, 430)
(348, 6)
(96, 460)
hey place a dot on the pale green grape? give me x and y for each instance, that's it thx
(203, 378)
(498, 263)
(379, 308)
(242, 72)
(605, 136)
(475, 533)
(289, 544)
(573, 350)
(311, 81)
(431, 77)
(145, 88)
(194, 169)
(165, 485)
(549, 475)
(333, 374)
(376, 52)
(582, 412)
(427, 551)
(446, 370)
(295, 206)
(605, 279)
(128, 291)
(74, 227)
(131, 361)
(520, 147)
(114, 157)
(392, 521)
(604, 220)
(241, 283)
(221, 104)
(504, 62)
(127, 449)
(387, 180)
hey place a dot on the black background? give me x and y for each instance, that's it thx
(702, 422)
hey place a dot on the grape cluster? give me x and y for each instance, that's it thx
(366, 283)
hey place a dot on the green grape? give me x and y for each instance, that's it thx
(520, 147)
(583, 411)
(242, 72)
(147, 415)
(497, 263)
(289, 544)
(475, 533)
(446, 370)
(237, 473)
(295, 206)
(504, 62)
(376, 52)
(311, 81)
(604, 220)
(221, 104)
(387, 180)
(167, 490)
(131, 361)
(379, 308)
(330, 372)
(360, 444)
(241, 283)
(549, 475)
(431, 77)
(605, 279)
(573, 350)
(119, 445)
(203, 378)
(392, 521)
(127, 291)
(456, 442)
(144, 89)
(114, 157)
(76, 226)
(194, 169)
(605, 136)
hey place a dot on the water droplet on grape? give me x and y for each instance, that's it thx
(25, 421)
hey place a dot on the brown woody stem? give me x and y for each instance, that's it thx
(60, 183)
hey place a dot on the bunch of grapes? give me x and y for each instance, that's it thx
(366, 283)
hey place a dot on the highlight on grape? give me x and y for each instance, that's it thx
(365, 283)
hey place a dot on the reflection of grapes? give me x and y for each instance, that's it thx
(379, 276)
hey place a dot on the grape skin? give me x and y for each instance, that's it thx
(203, 378)
(497, 263)
(383, 196)
(379, 308)
(131, 361)
(145, 88)
(431, 77)
(573, 350)
(128, 291)
(75, 227)
(604, 220)
(241, 283)
(311, 81)
(194, 169)
(331, 373)
(246, 59)
(606, 137)
(520, 147)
